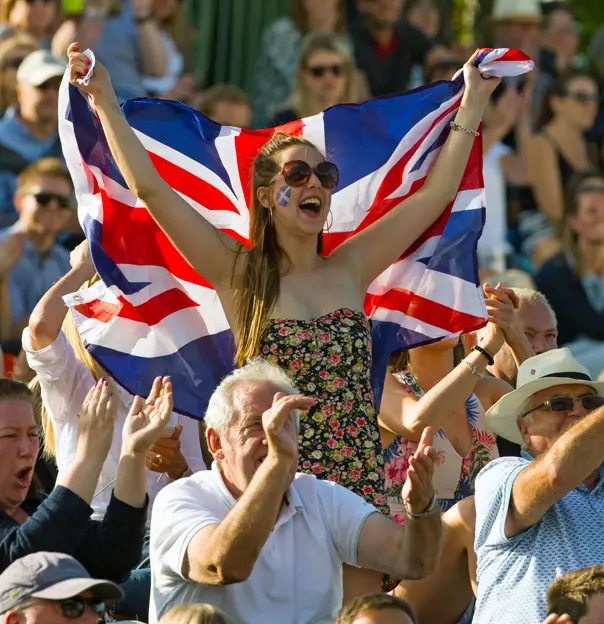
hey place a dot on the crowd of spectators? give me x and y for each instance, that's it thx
(107, 509)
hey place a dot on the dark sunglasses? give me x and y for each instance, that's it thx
(44, 1)
(73, 608)
(566, 404)
(583, 97)
(298, 172)
(318, 71)
(45, 198)
(13, 63)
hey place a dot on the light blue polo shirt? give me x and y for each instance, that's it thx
(514, 574)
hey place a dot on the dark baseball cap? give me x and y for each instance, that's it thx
(50, 576)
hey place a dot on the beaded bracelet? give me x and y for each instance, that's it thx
(489, 356)
(460, 128)
(424, 514)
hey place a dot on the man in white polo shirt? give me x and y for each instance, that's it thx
(264, 543)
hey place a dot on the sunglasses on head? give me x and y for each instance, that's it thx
(567, 403)
(45, 198)
(318, 71)
(298, 172)
(583, 98)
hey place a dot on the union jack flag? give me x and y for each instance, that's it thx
(152, 314)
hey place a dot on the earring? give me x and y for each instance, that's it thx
(330, 214)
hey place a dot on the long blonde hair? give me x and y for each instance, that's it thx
(260, 288)
(70, 329)
(329, 42)
(194, 614)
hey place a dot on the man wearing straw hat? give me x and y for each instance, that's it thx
(540, 515)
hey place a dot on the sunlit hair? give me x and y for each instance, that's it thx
(49, 445)
(41, 168)
(221, 406)
(531, 296)
(194, 614)
(300, 17)
(571, 592)
(323, 42)
(575, 189)
(260, 288)
(559, 88)
(374, 602)
(401, 360)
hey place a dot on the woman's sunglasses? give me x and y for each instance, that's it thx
(298, 172)
(583, 98)
(567, 403)
(318, 71)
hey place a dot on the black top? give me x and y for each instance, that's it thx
(390, 75)
(108, 549)
(565, 292)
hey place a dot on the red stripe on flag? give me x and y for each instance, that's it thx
(150, 312)
(424, 310)
(190, 185)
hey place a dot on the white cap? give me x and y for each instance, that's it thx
(38, 67)
(527, 11)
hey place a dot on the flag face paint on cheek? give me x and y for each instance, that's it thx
(283, 195)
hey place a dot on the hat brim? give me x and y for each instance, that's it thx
(42, 75)
(103, 590)
(502, 417)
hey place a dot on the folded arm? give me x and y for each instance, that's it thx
(572, 458)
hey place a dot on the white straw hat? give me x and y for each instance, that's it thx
(552, 368)
(527, 11)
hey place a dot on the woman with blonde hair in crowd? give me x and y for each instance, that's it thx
(12, 51)
(440, 386)
(326, 76)
(66, 372)
(283, 300)
(194, 614)
(278, 60)
(31, 17)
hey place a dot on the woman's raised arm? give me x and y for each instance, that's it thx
(210, 252)
(374, 249)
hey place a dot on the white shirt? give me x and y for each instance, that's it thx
(65, 382)
(297, 577)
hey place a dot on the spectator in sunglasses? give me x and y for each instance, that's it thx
(573, 280)
(534, 513)
(557, 150)
(33, 17)
(326, 76)
(12, 52)
(31, 260)
(51, 587)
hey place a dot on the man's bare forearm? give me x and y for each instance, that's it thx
(235, 544)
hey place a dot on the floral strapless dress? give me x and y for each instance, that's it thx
(329, 358)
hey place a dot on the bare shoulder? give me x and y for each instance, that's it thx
(490, 389)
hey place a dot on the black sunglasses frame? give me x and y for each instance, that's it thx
(549, 404)
(320, 70)
(43, 198)
(328, 179)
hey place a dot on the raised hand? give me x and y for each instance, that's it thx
(478, 89)
(558, 619)
(418, 489)
(278, 425)
(80, 258)
(97, 422)
(146, 419)
(100, 83)
(165, 455)
(502, 304)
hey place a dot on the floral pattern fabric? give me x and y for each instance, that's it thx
(449, 463)
(330, 359)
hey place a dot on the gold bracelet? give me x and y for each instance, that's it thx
(472, 368)
(455, 126)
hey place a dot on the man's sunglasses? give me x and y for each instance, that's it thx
(318, 71)
(44, 199)
(567, 403)
(298, 172)
(583, 98)
(74, 608)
